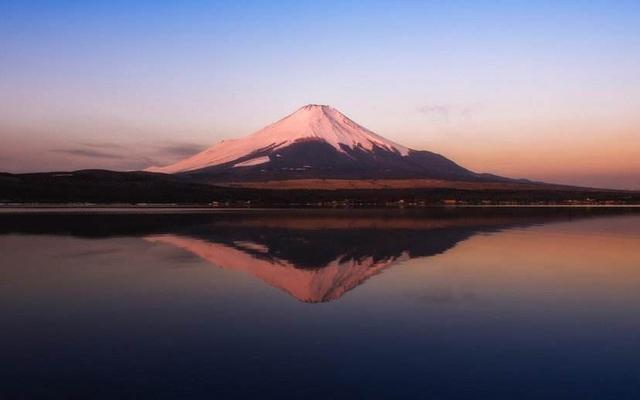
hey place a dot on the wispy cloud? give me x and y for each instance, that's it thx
(180, 149)
(131, 155)
(89, 153)
(447, 112)
(103, 145)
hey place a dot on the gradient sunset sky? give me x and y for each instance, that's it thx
(543, 90)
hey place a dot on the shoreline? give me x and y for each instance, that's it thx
(119, 208)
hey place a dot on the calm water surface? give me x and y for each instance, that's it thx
(443, 304)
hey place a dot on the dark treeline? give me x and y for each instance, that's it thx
(103, 187)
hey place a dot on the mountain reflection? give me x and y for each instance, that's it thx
(316, 284)
(313, 255)
(320, 259)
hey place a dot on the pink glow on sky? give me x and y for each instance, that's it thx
(547, 91)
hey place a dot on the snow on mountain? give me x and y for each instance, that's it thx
(311, 122)
(253, 161)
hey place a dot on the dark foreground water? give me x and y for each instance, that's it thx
(436, 304)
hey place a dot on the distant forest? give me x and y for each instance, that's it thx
(109, 187)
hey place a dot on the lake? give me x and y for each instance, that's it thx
(442, 303)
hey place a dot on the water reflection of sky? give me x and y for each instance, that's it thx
(531, 306)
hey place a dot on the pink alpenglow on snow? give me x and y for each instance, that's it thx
(311, 122)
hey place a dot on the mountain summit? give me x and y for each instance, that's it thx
(315, 142)
(308, 123)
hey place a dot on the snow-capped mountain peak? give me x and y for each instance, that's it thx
(309, 123)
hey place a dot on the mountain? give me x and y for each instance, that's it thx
(317, 142)
(315, 156)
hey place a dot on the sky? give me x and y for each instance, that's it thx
(543, 90)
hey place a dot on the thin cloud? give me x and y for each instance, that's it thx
(103, 145)
(438, 111)
(89, 153)
(180, 149)
(446, 112)
(132, 156)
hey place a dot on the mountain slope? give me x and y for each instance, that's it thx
(311, 122)
(316, 142)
